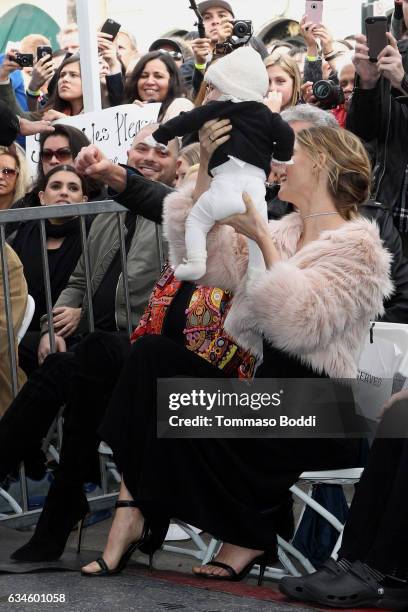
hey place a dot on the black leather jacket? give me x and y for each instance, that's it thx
(379, 116)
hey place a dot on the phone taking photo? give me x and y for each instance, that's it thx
(376, 32)
(314, 11)
(42, 51)
(111, 27)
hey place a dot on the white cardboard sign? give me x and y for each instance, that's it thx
(112, 130)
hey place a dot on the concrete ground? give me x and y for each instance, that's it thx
(171, 585)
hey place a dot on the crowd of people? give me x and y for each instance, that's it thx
(275, 178)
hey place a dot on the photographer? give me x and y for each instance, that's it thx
(216, 15)
(378, 112)
(218, 18)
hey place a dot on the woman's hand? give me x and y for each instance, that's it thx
(213, 134)
(274, 101)
(254, 227)
(249, 223)
(108, 51)
(42, 72)
(66, 320)
(325, 36)
(307, 31)
(44, 348)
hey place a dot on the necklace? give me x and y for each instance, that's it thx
(319, 215)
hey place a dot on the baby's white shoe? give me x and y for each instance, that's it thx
(193, 269)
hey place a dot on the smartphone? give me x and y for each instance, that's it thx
(314, 11)
(111, 27)
(376, 30)
(43, 50)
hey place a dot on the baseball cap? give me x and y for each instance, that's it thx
(160, 43)
(204, 6)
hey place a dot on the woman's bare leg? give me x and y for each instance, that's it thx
(127, 527)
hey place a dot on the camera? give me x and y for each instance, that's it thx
(25, 60)
(328, 93)
(241, 28)
(241, 33)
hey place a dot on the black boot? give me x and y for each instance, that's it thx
(64, 507)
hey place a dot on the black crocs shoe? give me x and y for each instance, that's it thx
(356, 588)
(310, 586)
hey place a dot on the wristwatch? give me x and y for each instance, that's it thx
(404, 84)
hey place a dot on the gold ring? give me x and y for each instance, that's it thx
(210, 139)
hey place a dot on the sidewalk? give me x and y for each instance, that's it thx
(171, 586)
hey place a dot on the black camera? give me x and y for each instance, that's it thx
(328, 93)
(242, 28)
(25, 60)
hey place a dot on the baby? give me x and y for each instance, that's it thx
(238, 84)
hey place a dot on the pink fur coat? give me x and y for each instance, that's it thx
(315, 304)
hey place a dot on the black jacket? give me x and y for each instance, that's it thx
(256, 133)
(379, 116)
(9, 125)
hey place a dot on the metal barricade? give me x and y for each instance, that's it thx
(41, 214)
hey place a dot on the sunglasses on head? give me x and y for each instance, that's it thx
(9, 171)
(176, 55)
(62, 155)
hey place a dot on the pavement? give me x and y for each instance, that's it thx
(170, 586)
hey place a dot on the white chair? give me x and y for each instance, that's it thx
(28, 315)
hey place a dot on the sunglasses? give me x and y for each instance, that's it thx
(62, 155)
(176, 55)
(9, 172)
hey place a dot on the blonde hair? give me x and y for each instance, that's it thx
(346, 161)
(289, 65)
(29, 43)
(191, 153)
(23, 182)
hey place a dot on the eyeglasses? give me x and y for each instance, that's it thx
(176, 55)
(62, 155)
(9, 172)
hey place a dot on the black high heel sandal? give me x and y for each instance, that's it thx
(148, 543)
(262, 560)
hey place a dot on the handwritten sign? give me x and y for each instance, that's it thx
(112, 130)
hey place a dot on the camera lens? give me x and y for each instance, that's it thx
(322, 90)
(314, 5)
(241, 29)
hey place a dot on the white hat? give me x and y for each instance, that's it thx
(240, 74)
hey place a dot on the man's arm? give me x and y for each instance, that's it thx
(9, 125)
(137, 193)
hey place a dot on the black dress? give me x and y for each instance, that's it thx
(61, 261)
(235, 489)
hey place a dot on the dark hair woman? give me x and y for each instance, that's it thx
(156, 78)
(60, 147)
(61, 185)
